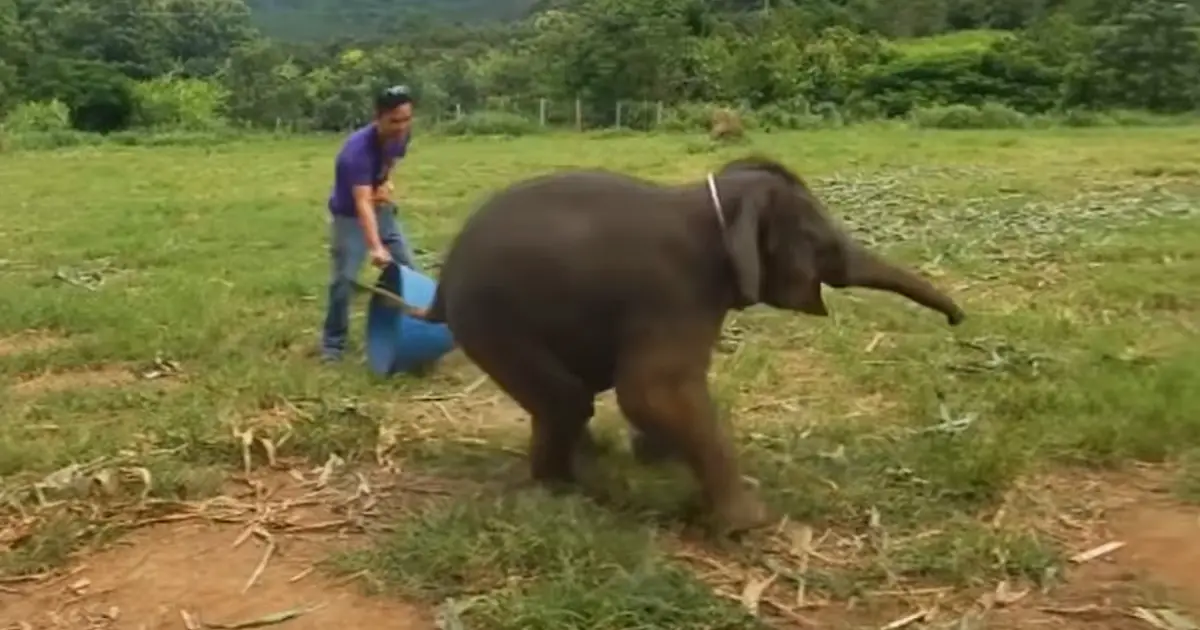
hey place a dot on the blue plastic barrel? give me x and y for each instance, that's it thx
(397, 342)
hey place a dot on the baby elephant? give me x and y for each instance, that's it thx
(563, 286)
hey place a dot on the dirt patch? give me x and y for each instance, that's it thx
(30, 341)
(1080, 510)
(50, 382)
(200, 567)
(1160, 535)
(1163, 547)
(462, 399)
(91, 378)
(1156, 566)
(157, 573)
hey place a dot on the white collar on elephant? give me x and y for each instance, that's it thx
(716, 199)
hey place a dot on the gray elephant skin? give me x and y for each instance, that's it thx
(566, 285)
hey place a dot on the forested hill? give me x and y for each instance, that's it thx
(104, 65)
(309, 20)
(322, 19)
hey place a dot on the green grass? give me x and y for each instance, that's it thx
(1188, 481)
(1075, 252)
(539, 566)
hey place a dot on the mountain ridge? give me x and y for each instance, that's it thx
(326, 19)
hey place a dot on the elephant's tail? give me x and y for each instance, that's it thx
(436, 313)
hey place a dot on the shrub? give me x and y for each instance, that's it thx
(772, 117)
(100, 97)
(829, 113)
(687, 117)
(966, 76)
(987, 116)
(945, 117)
(39, 116)
(1000, 116)
(48, 140)
(1084, 118)
(169, 102)
(726, 125)
(491, 123)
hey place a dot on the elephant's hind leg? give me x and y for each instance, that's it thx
(649, 448)
(558, 404)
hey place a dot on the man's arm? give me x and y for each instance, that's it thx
(390, 161)
(364, 207)
(362, 182)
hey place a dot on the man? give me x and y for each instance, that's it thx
(363, 220)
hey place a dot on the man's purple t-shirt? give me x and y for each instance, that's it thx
(361, 162)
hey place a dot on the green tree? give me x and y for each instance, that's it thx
(266, 86)
(1149, 59)
(13, 51)
(129, 35)
(628, 49)
(203, 33)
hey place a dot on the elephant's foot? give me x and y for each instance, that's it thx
(555, 472)
(554, 486)
(559, 472)
(740, 512)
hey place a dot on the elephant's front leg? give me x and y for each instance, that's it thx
(665, 395)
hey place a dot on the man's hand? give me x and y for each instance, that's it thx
(380, 257)
(383, 194)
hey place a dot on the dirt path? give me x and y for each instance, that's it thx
(1157, 565)
(158, 576)
(162, 575)
(1163, 547)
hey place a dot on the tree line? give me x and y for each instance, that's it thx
(108, 65)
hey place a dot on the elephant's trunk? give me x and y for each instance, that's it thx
(868, 270)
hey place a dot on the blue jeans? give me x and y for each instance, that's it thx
(347, 253)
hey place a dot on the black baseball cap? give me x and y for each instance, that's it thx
(390, 98)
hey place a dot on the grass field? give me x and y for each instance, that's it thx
(161, 307)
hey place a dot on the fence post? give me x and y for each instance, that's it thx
(542, 112)
(458, 111)
(618, 114)
(578, 115)
(658, 114)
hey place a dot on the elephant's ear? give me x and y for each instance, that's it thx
(798, 252)
(815, 254)
(742, 241)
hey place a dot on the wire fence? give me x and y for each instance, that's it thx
(559, 114)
